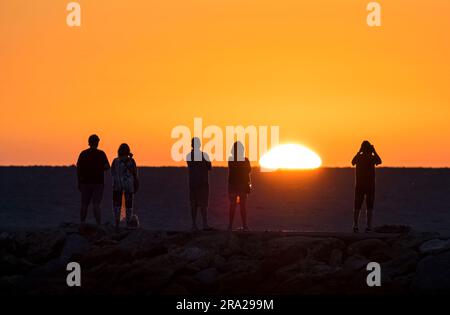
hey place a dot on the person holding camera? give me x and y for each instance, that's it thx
(365, 161)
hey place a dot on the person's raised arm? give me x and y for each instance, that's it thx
(356, 158)
(377, 157)
(134, 168)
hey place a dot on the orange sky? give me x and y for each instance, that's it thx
(137, 68)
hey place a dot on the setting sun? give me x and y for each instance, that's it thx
(290, 156)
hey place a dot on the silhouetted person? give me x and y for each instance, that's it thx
(91, 165)
(239, 170)
(124, 174)
(365, 160)
(199, 166)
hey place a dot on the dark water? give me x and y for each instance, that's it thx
(320, 200)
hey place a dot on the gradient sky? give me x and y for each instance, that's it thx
(137, 68)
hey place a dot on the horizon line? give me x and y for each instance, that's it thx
(224, 166)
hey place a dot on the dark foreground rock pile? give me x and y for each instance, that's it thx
(149, 262)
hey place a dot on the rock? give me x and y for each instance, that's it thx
(40, 247)
(433, 274)
(147, 262)
(214, 240)
(372, 249)
(322, 250)
(109, 254)
(74, 245)
(434, 246)
(286, 272)
(394, 228)
(104, 241)
(51, 266)
(7, 243)
(323, 270)
(175, 289)
(218, 260)
(202, 263)
(4, 236)
(189, 253)
(239, 283)
(293, 243)
(239, 264)
(356, 263)
(414, 239)
(145, 277)
(400, 266)
(10, 284)
(151, 250)
(231, 247)
(207, 276)
(283, 251)
(336, 258)
(11, 265)
(69, 227)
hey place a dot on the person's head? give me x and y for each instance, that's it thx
(124, 151)
(195, 143)
(93, 141)
(237, 152)
(366, 147)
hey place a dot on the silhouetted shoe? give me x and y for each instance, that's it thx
(194, 229)
(245, 228)
(355, 229)
(368, 229)
(208, 229)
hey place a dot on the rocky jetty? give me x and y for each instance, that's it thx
(218, 262)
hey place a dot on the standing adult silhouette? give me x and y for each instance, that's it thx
(365, 161)
(199, 167)
(239, 170)
(125, 179)
(91, 165)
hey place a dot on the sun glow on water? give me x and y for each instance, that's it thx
(290, 157)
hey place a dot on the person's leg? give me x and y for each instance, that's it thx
(359, 197)
(193, 208)
(117, 203)
(98, 213)
(370, 200)
(128, 207)
(232, 197)
(86, 195)
(97, 197)
(243, 208)
(204, 207)
(204, 212)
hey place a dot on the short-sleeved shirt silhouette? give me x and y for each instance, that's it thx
(198, 170)
(365, 170)
(91, 165)
(239, 176)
